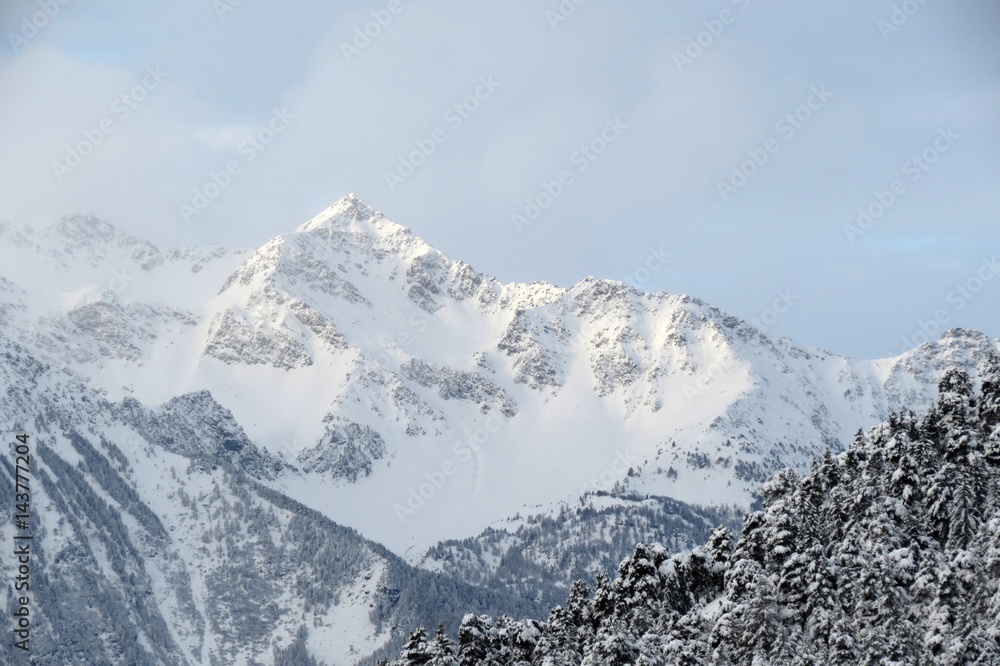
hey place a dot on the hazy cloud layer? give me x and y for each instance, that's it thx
(741, 138)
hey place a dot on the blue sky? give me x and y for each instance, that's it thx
(739, 138)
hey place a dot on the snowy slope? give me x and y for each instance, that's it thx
(154, 542)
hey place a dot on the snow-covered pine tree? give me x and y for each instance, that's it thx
(568, 632)
(578, 606)
(474, 635)
(764, 634)
(442, 650)
(559, 643)
(615, 645)
(416, 651)
(823, 608)
(519, 639)
(904, 482)
(638, 588)
(843, 649)
(989, 408)
(604, 600)
(684, 639)
(956, 407)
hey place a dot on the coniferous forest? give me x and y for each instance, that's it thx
(888, 553)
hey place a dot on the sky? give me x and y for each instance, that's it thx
(828, 171)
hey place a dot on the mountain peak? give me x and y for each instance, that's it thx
(83, 228)
(89, 238)
(352, 221)
(345, 210)
(965, 334)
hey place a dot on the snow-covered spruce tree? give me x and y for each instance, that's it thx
(843, 646)
(416, 651)
(686, 642)
(639, 588)
(965, 467)
(615, 645)
(442, 650)
(578, 607)
(989, 408)
(559, 643)
(886, 554)
(603, 604)
(904, 482)
(519, 639)
(956, 406)
(474, 639)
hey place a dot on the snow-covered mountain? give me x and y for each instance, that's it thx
(351, 370)
(154, 540)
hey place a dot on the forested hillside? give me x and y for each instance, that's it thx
(545, 553)
(886, 554)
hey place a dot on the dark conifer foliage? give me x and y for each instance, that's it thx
(886, 554)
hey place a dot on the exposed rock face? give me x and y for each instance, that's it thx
(458, 385)
(233, 339)
(197, 427)
(119, 331)
(346, 451)
(536, 343)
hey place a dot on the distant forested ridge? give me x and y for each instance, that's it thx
(888, 553)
